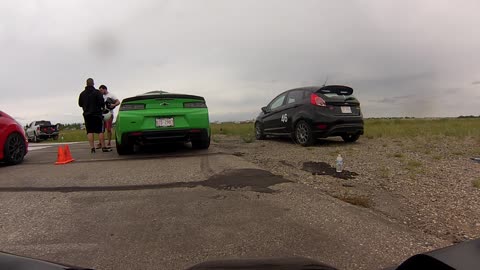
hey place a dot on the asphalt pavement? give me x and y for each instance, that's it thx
(172, 207)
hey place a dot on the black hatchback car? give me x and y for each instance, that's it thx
(309, 113)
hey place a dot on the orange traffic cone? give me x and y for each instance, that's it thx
(64, 156)
(60, 156)
(68, 155)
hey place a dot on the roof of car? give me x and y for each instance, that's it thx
(161, 94)
(326, 87)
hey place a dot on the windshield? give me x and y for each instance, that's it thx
(43, 123)
(162, 134)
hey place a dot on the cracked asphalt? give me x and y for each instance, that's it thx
(174, 207)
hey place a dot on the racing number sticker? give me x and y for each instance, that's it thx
(284, 118)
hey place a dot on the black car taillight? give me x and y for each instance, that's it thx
(194, 105)
(317, 101)
(132, 107)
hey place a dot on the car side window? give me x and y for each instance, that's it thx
(306, 94)
(277, 102)
(294, 96)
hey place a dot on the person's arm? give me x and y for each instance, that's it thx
(100, 101)
(80, 100)
(116, 101)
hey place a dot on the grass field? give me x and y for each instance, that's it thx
(76, 135)
(374, 128)
(390, 128)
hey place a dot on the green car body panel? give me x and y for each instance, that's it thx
(141, 120)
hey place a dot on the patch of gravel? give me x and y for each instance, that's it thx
(423, 183)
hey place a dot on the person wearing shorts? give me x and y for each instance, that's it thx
(92, 103)
(111, 101)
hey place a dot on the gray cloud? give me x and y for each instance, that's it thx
(239, 55)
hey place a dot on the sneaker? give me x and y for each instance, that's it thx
(98, 146)
(105, 149)
(92, 151)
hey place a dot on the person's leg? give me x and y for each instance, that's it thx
(108, 128)
(90, 127)
(100, 144)
(99, 129)
(90, 139)
(102, 140)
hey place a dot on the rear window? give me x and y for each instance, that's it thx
(44, 123)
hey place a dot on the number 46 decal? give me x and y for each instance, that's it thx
(284, 118)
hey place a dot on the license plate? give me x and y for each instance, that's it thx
(346, 109)
(164, 122)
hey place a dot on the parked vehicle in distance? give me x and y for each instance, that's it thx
(13, 142)
(158, 117)
(41, 130)
(308, 113)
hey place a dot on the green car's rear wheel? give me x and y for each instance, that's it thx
(203, 143)
(124, 149)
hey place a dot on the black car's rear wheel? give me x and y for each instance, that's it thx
(259, 133)
(124, 149)
(350, 137)
(202, 143)
(14, 149)
(303, 134)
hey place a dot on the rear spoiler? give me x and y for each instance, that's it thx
(340, 90)
(162, 96)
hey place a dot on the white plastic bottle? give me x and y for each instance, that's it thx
(339, 164)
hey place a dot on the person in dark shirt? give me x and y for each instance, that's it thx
(91, 101)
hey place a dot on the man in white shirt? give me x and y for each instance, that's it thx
(111, 101)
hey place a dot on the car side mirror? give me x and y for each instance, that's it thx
(264, 109)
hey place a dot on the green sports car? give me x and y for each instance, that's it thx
(159, 117)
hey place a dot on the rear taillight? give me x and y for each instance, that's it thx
(322, 126)
(317, 101)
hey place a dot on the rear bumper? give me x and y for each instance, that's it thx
(47, 135)
(156, 137)
(338, 129)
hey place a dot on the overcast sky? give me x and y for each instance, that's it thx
(403, 58)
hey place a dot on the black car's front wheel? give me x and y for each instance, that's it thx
(350, 137)
(259, 133)
(14, 149)
(303, 134)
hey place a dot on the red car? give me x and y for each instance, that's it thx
(13, 142)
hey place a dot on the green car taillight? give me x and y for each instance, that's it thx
(194, 105)
(132, 107)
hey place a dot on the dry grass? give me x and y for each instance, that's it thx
(476, 183)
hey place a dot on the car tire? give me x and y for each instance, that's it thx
(55, 137)
(14, 149)
(303, 134)
(201, 144)
(350, 138)
(259, 132)
(124, 149)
